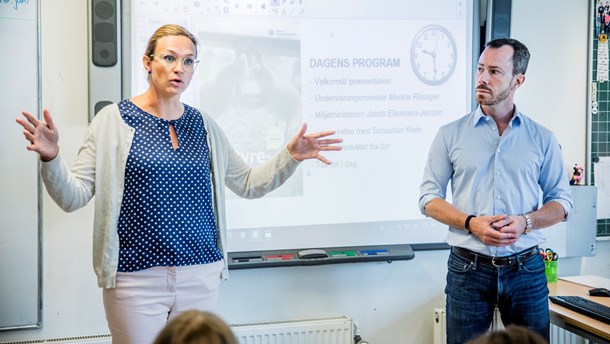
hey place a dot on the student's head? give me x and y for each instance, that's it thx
(512, 334)
(196, 327)
(521, 55)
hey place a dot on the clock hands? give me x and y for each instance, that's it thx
(433, 55)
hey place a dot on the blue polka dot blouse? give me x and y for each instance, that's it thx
(166, 216)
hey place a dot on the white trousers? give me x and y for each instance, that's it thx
(142, 302)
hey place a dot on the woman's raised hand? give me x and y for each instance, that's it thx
(42, 134)
(308, 146)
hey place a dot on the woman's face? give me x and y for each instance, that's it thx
(172, 65)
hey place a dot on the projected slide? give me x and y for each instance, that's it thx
(383, 74)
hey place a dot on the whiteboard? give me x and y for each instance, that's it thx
(370, 73)
(20, 271)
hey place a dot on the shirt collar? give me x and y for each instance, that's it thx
(480, 116)
(517, 118)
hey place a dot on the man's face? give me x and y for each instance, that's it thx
(495, 80)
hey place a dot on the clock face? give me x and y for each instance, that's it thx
(433, 55)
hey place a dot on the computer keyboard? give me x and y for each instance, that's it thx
(584, 306)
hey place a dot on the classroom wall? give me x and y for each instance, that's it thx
(555, 88)
(392, 303)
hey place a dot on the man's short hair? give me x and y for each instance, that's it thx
(521, 55)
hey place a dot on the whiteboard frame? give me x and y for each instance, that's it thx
(39, 214)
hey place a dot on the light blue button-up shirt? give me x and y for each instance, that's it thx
(492, 174)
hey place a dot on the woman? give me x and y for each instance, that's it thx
(157, 169)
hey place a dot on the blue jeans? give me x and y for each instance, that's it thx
(474, 289)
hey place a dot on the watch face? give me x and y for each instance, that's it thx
(433, 55)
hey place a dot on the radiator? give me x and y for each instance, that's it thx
(94, 339)
(337, 330)
(558, 334)
(440, 326)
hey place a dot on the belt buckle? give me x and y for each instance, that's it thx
(493, 262)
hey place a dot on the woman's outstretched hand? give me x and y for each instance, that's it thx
(308, 146)
(43, 135)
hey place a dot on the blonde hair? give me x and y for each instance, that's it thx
(168, 30)
(196, 327)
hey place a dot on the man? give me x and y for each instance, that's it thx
(498, 160)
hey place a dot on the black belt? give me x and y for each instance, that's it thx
(504, 261)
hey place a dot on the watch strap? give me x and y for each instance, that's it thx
(467, 223)
(528, 224)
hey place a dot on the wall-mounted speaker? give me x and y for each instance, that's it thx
(104, 54)
(498, 19)
(104, 32)
(99, 105)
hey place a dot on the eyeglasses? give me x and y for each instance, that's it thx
(170, 61)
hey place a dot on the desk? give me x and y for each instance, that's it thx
(575, 322)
